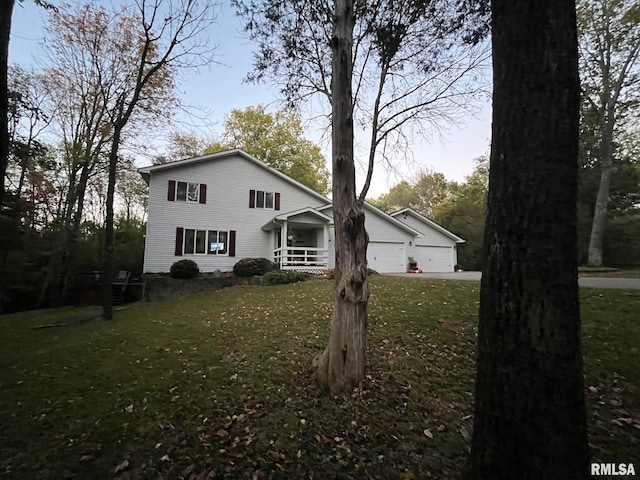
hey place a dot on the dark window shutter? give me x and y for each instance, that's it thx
(203, 193)
(179, 236)
(277, 201)
(232, 243)
(252, 199)
(171, 194)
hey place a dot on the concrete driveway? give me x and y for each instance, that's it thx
(587, 282)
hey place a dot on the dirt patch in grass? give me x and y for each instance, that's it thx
(219, 385)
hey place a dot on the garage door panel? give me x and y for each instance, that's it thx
(434, 259)
(386, 257)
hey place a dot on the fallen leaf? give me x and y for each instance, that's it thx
(428, 433)
(165, 458)
(408, 475)
(122, 466)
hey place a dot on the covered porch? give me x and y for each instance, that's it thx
(301, 240)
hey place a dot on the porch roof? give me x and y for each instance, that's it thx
(307, 215)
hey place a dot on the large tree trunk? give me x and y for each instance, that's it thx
(107, 293)
(599, 223)
(342, 364)
(529, 399)
(6, 11)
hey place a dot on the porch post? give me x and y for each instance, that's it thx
(325, 257)
(283, 244)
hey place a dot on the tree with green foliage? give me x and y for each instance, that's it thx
(278, 140)
(463, 212)
(610, 76)
(530, 414)
(423, 195)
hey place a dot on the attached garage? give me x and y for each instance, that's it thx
(434, 258)
(387, 257)
(435, 249)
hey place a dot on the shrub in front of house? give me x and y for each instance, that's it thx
(249, 267)
(184, 269)
(281, 277)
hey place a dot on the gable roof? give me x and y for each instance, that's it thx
(426, 221)
(322, 218)
(212, 157)
(385, 217)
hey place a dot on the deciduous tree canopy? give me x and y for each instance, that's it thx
(278, 140)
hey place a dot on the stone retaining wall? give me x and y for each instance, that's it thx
(158, 286)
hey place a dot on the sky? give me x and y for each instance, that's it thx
(218, 89)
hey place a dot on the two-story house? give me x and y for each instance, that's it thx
(218, 208)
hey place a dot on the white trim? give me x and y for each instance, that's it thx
(430, 223)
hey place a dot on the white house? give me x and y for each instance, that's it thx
(218, 208)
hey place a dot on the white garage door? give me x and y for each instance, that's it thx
(387, 257)
(434, 259)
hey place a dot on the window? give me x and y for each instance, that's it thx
(187, 192)
(266, 200)
(199, 242)
(217, 243)
(190, 241)
(181, 191)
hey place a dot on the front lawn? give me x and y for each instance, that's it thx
(218, 385)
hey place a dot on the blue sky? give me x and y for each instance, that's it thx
(219, 88)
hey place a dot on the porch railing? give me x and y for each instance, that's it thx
(301, 257)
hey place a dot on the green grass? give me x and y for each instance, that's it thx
(609, 272)
(219, 385)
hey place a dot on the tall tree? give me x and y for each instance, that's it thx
(409, 75)
(6, 13)
(406, 72)
(530, 419)
(464, 211)
(342, 364)
(610, 69)
(278, 140)
(423, 195)
(168, 38)
(89, 51)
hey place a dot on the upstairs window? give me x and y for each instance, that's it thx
(187, 192)
(262, 199)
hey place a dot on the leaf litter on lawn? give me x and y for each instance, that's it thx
(219, 385)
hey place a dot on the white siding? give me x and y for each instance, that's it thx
(433, 251)
(431, 237)
(228, 181)
(383, 232)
